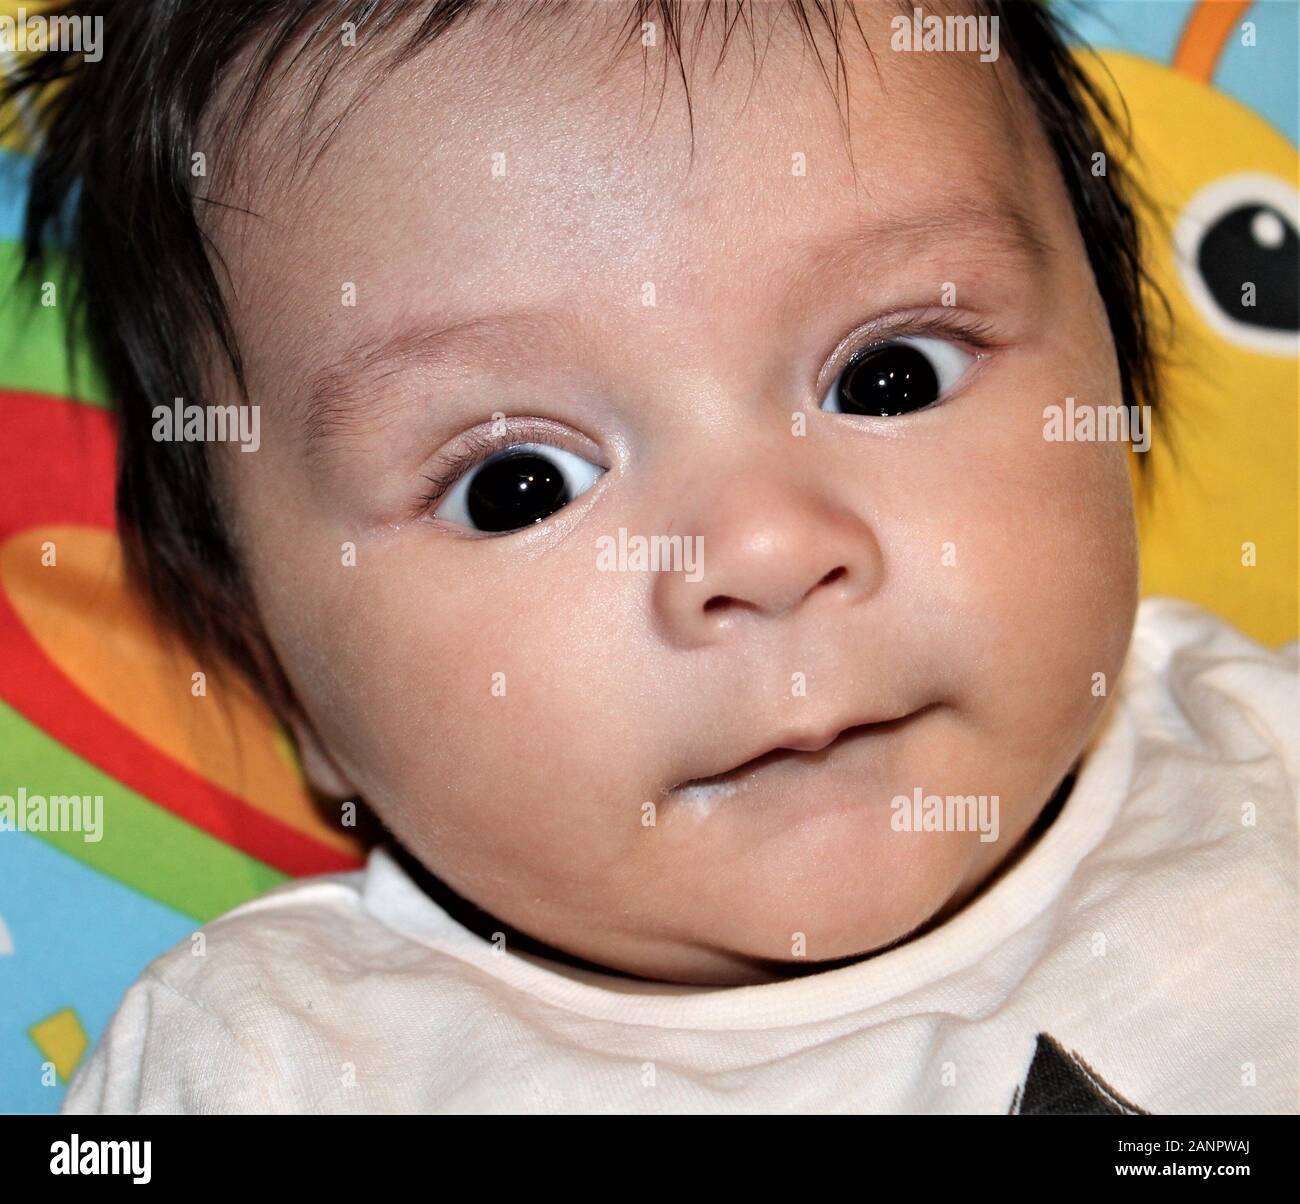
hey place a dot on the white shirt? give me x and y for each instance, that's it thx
(1141, 956)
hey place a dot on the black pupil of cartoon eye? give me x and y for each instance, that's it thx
(1253, 244)
(515, 491)
(889, 380)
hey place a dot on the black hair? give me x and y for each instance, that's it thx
(112, 183)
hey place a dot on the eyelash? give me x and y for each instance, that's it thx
(478, 448)
(975, 333)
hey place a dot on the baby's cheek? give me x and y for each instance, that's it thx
(489, 712)
(1022, 561)
(1059, 599)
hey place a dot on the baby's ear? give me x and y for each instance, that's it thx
(322, 771)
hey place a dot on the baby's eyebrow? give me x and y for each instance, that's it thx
(974, 230)
(332, 404)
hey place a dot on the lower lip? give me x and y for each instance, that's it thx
(847, 759)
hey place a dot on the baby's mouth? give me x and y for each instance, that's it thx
(808, 750)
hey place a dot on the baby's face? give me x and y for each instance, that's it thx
(941, 585)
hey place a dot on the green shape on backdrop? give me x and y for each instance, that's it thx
(144, 846)
(33, 350)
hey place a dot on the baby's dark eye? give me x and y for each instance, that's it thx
(897, 377)
(517, 487)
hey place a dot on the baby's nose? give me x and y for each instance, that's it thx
(768, 552)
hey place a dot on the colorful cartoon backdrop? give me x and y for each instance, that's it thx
(204, 806)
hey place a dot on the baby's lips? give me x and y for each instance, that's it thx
(799, 743)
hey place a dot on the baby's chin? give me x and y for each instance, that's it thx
(758, 888)
(842, 886)
(831, 896)
(846, 903)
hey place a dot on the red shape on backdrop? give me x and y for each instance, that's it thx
(57, 461)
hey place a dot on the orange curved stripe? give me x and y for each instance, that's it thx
(1205, 35)
(93, 627)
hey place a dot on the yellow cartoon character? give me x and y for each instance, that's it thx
(1218, 511)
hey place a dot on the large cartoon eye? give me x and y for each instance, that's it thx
(1238, 251)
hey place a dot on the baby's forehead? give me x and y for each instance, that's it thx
(475, 158)
(575, 90)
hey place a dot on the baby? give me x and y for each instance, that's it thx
(656, 519)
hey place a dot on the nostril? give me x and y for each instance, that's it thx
(834, 575)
